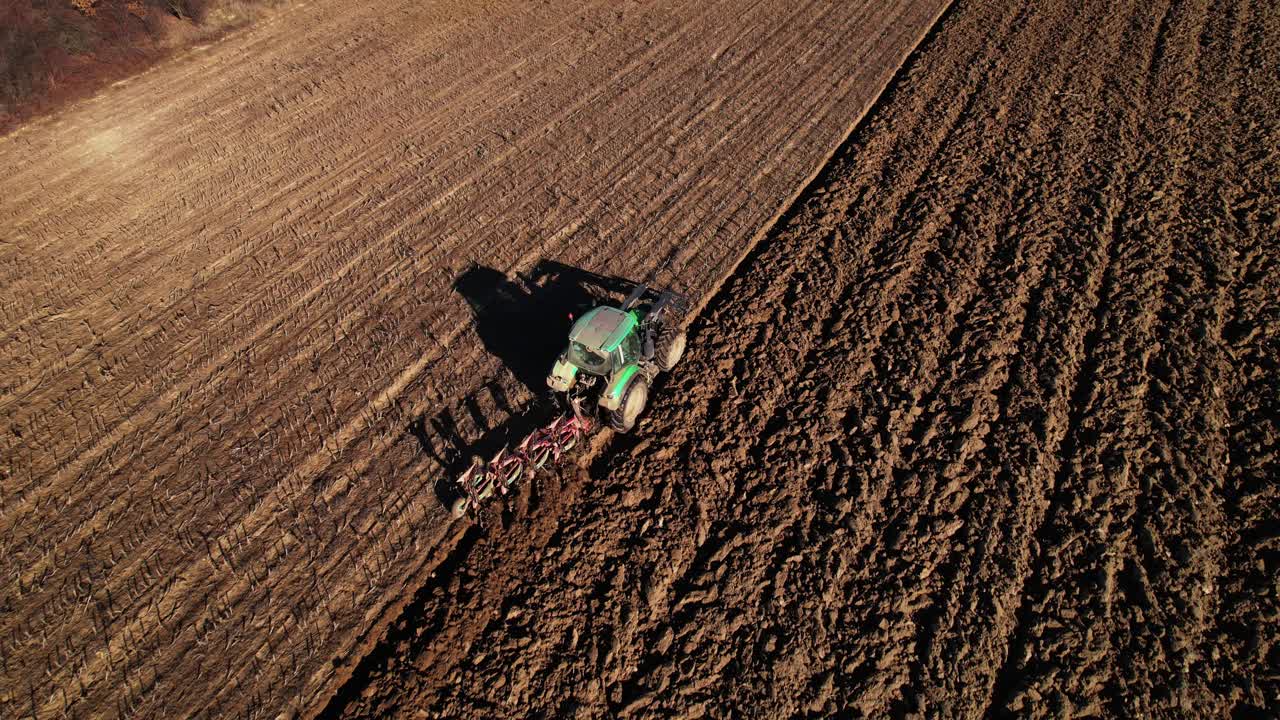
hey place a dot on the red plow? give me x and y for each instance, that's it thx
(544, 448)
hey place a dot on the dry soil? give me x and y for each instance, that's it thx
(240, 288)
(985, 427)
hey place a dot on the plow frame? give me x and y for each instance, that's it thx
(545, 447)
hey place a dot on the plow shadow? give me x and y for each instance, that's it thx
(523, 322)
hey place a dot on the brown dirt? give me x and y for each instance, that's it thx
(235, 322)
(986, 426)
(53, 52)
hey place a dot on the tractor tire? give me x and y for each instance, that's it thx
(633, 401)
(670, 349)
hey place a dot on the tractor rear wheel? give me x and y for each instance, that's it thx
(633, 402)
(670, 348)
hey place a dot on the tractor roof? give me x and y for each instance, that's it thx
(602, 328)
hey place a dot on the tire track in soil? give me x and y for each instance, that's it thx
(952, 333)
(914, 499)
(1098, 296)
(971, 196)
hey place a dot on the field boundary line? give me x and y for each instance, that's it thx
(791, 205)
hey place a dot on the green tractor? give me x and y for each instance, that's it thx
(614, 354)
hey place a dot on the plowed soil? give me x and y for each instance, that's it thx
(983, 423)
(985, 426)
(247, 306)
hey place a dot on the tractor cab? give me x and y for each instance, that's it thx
(601, 342)
(614, 353)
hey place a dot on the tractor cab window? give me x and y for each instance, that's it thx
(588, 359)
(630, 348)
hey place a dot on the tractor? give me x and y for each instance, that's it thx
(614, 354)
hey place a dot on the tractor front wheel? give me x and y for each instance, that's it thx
(633, 402)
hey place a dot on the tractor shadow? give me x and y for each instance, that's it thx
(524, 322)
